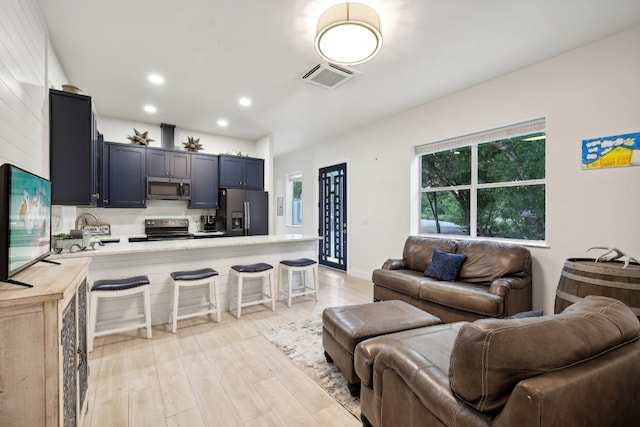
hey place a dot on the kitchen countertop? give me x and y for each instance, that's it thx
(126, 247)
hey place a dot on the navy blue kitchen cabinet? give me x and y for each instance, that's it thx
(124, 175)
(241, 172)
(204, 181)
(75, 151)
(168, 163)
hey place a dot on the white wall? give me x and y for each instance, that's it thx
(590, 92)
(23, 86)
(264, 150)
(117, 130)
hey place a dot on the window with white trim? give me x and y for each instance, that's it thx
(487, 184)
(293, 201)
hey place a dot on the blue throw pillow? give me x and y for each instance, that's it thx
(445, 266)
(523, 314)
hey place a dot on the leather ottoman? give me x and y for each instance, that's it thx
(344, 327)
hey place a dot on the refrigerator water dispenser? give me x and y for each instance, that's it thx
(236, 220)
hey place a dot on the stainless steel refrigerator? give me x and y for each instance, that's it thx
(243, 212)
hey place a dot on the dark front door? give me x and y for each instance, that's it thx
(333, 216)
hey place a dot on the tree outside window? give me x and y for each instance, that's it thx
(490, 189)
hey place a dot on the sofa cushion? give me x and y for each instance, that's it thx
(435, 342)
(468, 297)
(445, 266)
(488, 260)
(418, 250)
(404, 281)
(490, 356)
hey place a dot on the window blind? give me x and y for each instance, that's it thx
(504, 132)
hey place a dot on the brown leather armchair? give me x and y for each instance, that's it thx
(577, 368)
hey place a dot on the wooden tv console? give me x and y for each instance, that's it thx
(43, 352)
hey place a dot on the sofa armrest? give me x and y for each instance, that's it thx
(394, 264)
(403, 371)
(503, 285)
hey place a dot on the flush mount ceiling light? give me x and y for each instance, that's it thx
(150, 109)
(223, 123)
(348, 34)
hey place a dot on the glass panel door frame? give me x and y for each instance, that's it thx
(332, 216)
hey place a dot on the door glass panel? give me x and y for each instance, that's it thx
(333, 224)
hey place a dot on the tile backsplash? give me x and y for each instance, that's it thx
(128, 222)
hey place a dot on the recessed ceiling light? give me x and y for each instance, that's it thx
(223, 123)
(156, 79)
(244, 101)
(150, 109)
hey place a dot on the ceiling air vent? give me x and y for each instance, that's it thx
(328, 76)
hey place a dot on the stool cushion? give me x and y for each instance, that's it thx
(203, 273)
(302, 262)
(252, 268)
(119, 284)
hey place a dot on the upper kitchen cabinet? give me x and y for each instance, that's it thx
(75, 152)
(204, 181)
(241, 172)
(124, 175)
(168, 164)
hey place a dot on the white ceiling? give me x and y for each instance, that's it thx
(211, 52)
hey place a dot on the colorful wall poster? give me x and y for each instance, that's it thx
(611, 151)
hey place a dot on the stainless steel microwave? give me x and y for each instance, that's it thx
(168, 188)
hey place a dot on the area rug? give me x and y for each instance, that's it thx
(302, 343)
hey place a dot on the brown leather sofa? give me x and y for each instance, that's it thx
(494, 281)
(577, 368)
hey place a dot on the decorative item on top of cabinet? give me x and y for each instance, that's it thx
(204, 181)
(72, 89)
(140, 138)
(75, 153)
(192, 144)
(241, 172)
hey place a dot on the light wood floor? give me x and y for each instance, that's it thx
(210, 374)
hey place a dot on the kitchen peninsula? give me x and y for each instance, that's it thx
(157, 259)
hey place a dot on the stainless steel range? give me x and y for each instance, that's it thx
(164, 229)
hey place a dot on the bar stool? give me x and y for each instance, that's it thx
(116, 288)
(202, 277)
(301, 265)
(251, 271)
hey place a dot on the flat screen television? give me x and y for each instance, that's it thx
(25, 220)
